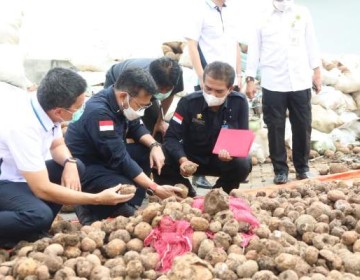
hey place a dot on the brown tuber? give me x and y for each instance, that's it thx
(142, 230)
(215, 201)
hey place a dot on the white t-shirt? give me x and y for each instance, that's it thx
(26, 133)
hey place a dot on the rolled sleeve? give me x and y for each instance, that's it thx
(137, 130)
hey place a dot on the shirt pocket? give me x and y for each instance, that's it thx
(199, 134)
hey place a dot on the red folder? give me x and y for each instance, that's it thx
(236, 141)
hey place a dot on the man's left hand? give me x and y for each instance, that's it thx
(317, 80)
(70, 177)
(157, 158)
(224, 155)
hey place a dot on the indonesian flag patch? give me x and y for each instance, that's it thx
(106, 125)
(178, 118)
(106, 128)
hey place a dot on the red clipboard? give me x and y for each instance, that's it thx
(236, 141)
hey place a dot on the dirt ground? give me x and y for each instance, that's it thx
(262, 175)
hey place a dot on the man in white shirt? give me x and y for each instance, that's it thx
(212, 36)
(33, 189)
(284, 47)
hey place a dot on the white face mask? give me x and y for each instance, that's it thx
(130, 113)
(283, 5)
(212, 100)
(162, 96)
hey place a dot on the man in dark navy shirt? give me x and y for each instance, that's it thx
(168, 77)
(98, 138)
(194, 129)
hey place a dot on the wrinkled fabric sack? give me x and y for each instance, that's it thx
(242, 213)
(170, 239)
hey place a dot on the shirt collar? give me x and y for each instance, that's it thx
(41, 115)
(212, 4)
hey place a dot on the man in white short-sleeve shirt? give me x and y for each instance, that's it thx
(32, 188)
(211, 35)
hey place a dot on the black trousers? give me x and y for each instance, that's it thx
(23, 216)
(98, 178)
(230, 173)
(275, 105)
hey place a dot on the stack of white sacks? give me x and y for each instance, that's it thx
(335, 110)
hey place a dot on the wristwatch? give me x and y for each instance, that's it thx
(69, 159)
(151, 189)
(155, 144)
(248, 79)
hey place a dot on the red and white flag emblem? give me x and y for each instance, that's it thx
(178, 118)
(106, 125)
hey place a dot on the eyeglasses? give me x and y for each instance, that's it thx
(141, 107)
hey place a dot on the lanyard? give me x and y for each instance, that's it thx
(37, 115)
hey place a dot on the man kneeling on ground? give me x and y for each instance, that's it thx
(194, 129)
(33, 189)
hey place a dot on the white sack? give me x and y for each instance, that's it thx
(324, 120)
(330, 78)
(11, 66)
(348, 82)
(329, 98)
(348, 133)
(321, 142)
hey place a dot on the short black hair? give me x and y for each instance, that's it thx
(132, 80)
(60, 88)
(220, 71)
(165, 71)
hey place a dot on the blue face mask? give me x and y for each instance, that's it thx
(162, 96)
(76, 116)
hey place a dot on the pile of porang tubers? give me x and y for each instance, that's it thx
(309, 233)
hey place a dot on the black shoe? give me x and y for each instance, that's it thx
(281, 178)
(200, 181)
(303, 175)
(84, 214)
(192, 192)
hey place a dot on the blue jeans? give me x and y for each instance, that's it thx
(23, 216)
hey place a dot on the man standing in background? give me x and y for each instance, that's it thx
(211, 36)
(284, 47)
